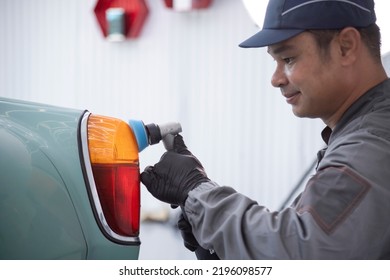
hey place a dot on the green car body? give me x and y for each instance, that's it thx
(45, 209)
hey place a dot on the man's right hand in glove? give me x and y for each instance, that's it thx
(175, 175)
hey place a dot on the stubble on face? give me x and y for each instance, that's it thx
(307, 80)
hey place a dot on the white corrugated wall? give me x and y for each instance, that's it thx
(184, 67)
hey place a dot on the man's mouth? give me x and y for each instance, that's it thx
(291, 97)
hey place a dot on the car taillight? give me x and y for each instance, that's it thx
(112, 152)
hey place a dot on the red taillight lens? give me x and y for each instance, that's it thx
(119, 196)
(113, 153)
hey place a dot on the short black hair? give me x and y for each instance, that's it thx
(370, 36)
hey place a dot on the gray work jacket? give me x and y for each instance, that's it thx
(343, 213)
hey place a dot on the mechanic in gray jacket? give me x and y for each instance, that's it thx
(328, 66)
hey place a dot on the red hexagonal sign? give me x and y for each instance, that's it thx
(136, 12)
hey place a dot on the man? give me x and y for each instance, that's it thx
(328, 66)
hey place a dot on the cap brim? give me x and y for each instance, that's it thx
(267, 37)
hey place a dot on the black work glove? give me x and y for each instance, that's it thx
(191, 243)
(175, 175)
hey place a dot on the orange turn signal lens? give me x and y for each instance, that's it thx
(111, 140)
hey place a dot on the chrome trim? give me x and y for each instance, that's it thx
(95, 197)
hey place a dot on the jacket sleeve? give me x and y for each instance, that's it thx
(341, 214)
(320, 225)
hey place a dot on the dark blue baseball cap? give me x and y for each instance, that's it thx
(287, 18)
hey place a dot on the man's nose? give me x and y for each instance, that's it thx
(279, 78)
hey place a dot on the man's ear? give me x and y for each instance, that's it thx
(349, 41)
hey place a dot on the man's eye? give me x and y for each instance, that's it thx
(288, 60)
